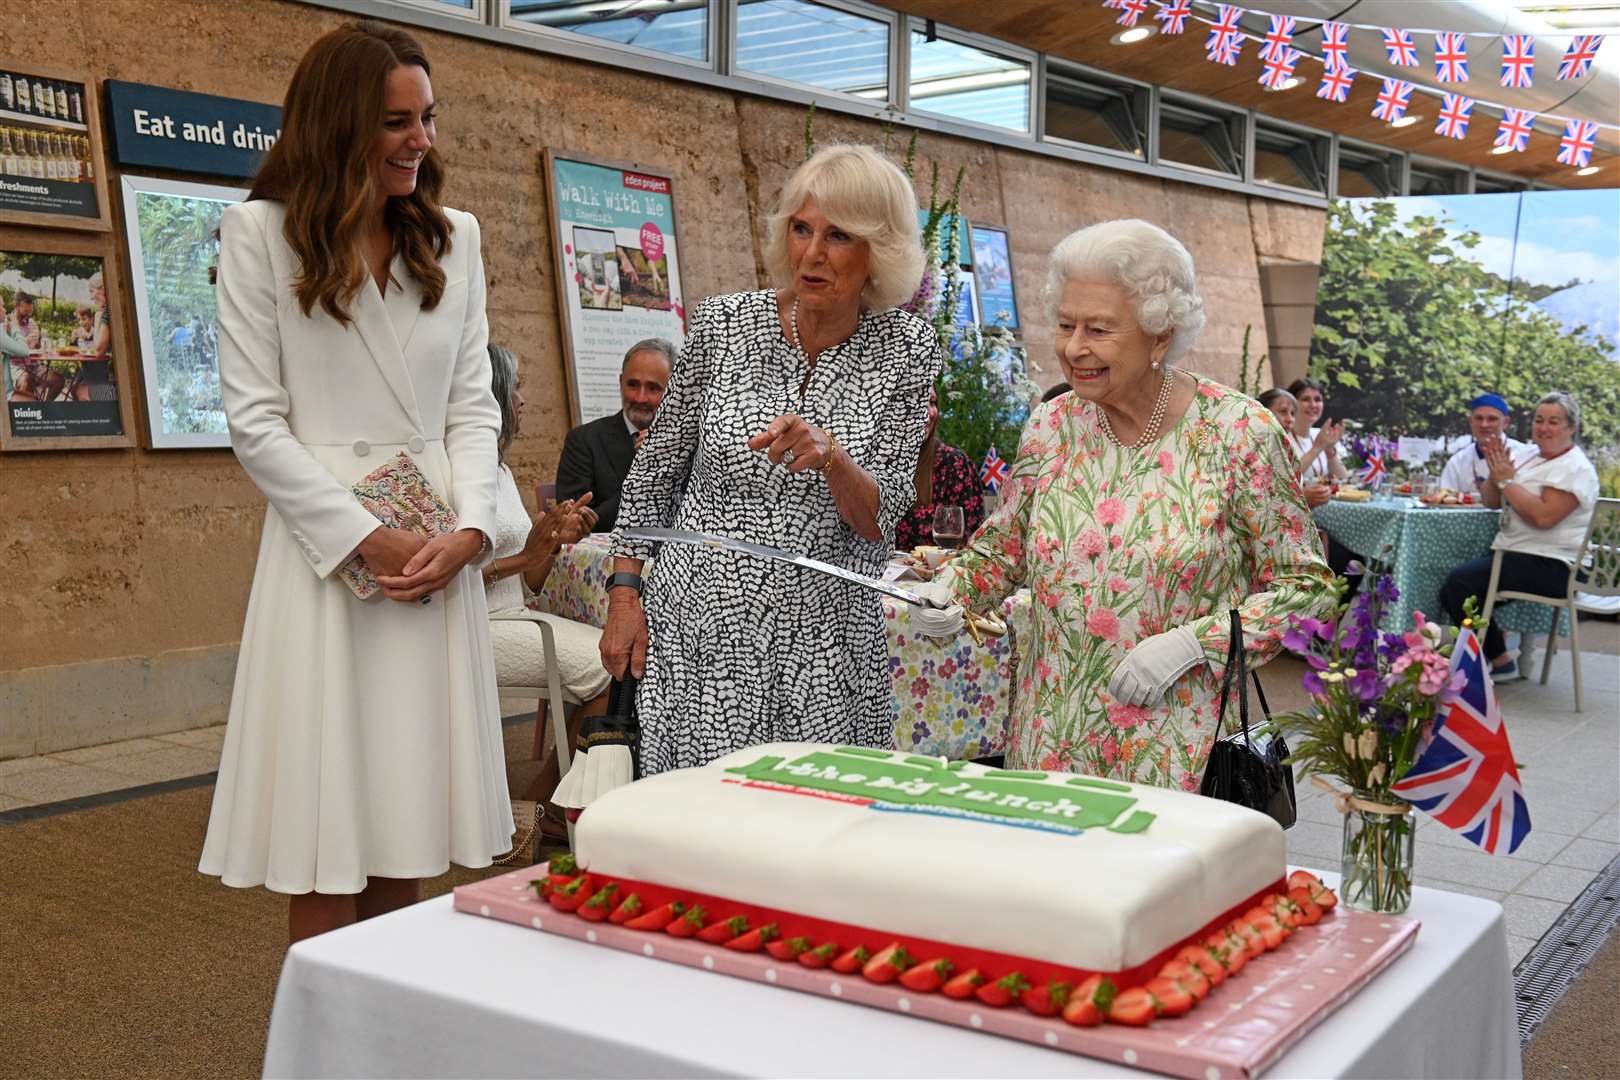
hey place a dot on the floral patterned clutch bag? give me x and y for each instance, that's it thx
(399, 496)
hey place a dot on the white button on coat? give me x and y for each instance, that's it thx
(416, 445)
(361, 448)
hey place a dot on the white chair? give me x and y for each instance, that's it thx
(1600, 558)
(556, 720)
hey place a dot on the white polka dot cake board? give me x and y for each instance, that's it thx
(1243, 1026)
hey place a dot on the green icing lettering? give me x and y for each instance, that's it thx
(1013, 774)
(955, 766)
(861, 751)
(922, 761)
(1093, 782)
(1139, 820)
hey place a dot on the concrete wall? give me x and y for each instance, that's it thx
(128, 570)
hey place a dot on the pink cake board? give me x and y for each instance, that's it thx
(1243, 1026)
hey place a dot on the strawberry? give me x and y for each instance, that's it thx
(1047, 1000)
(658, 917)
(1089, 1003)
(1253, 943)
(628, 909)
(1133, 1007)
(721, 932)
(690, 922)
(820, 956)
(542, 887)
(848, 963)
(570, 896)
(563, 863)
(1229, 951)
(599, 905)
(1170, 998)
(755, 939)
(1302, 897)
(789, 949)
(1303, 879)
(1204, 961)
(1192, 979)
(1289, 913)
(1001, 992)
(887, 964)
(1273, 934)
(963, 985)
(1325, 897)
(927, 977)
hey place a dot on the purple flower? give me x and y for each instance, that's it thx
(1367, 686)
(1312, 682)
(1385, 589)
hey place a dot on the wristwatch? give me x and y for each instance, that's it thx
(627, 579)
(1500, 484)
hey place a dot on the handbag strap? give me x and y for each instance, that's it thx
(1236, 665)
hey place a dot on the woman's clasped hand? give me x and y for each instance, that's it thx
(793, 441)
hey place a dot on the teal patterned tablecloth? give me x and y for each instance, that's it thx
(955, 696)
(1421, 545)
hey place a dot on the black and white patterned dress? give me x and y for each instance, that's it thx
(745, 650)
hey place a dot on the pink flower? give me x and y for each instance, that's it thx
(1110, 750)
(1051, 763)
(1208, 390)
(1166, 460)
(1104, 623)
(1115, 541)
(1091, 543)
(1189, 782)
(1128, 716)
(1110, 511)
(1119, 584)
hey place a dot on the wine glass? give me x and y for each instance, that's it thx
(948, 527)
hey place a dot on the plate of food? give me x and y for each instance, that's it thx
(1349, 494)
(1446, 499)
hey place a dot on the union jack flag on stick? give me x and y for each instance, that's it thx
(1336, 84)
(1514, 132)
(1451, 57)
(1578, 57)
(1174, 16)
(1335, 46)
(1393, 100)
(1465, 778)
(1575, 148)
(994, 472)
(1454, 116)
(1402, 50)
(1279, 38)
(1518, 61)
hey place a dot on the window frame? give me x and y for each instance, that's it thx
(1396, 160)
(1242, 144)
(1462, 175)
(1080, 73)
(969, 40)
(1320, 143)
(850, 7)
(569, 40)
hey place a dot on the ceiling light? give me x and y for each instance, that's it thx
(1406, 121)
(1503, 149)
(1133, 35)
(1589, 170)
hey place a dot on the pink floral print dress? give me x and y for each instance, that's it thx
(1117, 545)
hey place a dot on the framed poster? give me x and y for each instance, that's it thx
(992, 271)
(51, 168)
(66, 379)
(173, 230)
(618, 270)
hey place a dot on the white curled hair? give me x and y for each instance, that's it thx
(1146, 262)
(866, 195)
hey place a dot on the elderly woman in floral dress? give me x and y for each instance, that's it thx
(1143, 506)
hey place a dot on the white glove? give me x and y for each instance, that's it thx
(942, 622)
(1156, 662)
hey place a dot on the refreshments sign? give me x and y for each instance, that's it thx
(46, 158)
(156, 127)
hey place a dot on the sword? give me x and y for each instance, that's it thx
(728, 543)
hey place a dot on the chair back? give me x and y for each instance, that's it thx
(1600, 554)
(544, 496)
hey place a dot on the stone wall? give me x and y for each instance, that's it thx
(128, 570)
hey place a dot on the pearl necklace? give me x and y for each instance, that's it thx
(1150, 432)
(793, 321)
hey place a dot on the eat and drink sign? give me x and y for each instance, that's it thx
(157, 127)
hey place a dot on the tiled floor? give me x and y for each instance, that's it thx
(1569, 762)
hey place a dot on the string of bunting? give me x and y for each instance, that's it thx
(1278, 59)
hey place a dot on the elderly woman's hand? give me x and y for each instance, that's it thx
(1156, 662)
(795, 442)
(1318, 494)
(624, 638)
(1500, 462)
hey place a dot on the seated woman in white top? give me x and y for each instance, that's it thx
(1547, 493)
(524, 553)
(1316, 447)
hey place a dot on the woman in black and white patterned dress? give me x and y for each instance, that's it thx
(793, 418)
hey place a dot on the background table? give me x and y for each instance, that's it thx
(955, 697)
(430, 992)
(1421, 545)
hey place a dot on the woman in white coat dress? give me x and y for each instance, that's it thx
(364, 749)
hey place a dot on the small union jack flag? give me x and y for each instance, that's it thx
(1375, 469)
(994, 473)
(1174, 16)
(1578, 57)
(1454, 115)
(1279, 38)
(1130, 11)
(1335, 46)
(1225, 28)
(1518, 61)
(1451, 57)
(1575, 148)
(1336, 84)
(1402, 50)
(1393, 100)
(1514, 133)
(1112, 3)
(1465, 777)
(1226, 51)
(1279, 68)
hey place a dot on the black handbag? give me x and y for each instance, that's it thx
(1249, 770)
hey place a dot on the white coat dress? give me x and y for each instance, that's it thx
(364, 736)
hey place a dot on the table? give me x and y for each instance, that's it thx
(955, 697)
(427, 991)
(1421, 545)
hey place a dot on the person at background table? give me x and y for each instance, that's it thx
(21, 322)
(23, 376)
(1469, 468)
(524, 552)
(85, 336)
(364, 749)
(1142, 507)
(945, 477)
(94, 381)
(794, 419)
(1318, 489)
(596, 456)
(1547, 493)
(1317, 448)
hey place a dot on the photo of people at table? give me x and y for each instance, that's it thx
(596, 269)
(56, 336)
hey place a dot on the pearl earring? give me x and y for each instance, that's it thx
(1155, 365)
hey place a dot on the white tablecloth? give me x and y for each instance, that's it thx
(428, 991)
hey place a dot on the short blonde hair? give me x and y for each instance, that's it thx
(1146, 262)
(869, 198)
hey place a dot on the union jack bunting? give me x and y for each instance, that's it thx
(1174, 16)
(1279, 38)
(1393, 100)
(1112, 3)
(1130, 11)
(1336, 84)
(1402, 50)
(1465, 777)
(1518, 61)
(1575, 148)
(1514, 132)
(1225, 28)
(1226, 51)
(1454, 115)
(1279, 69)
(994, 473)
(1578, 57)
(1451, 57)
(1335, 46)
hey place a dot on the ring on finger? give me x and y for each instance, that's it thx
(788, 457)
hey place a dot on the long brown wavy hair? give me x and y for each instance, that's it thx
(320, 170)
